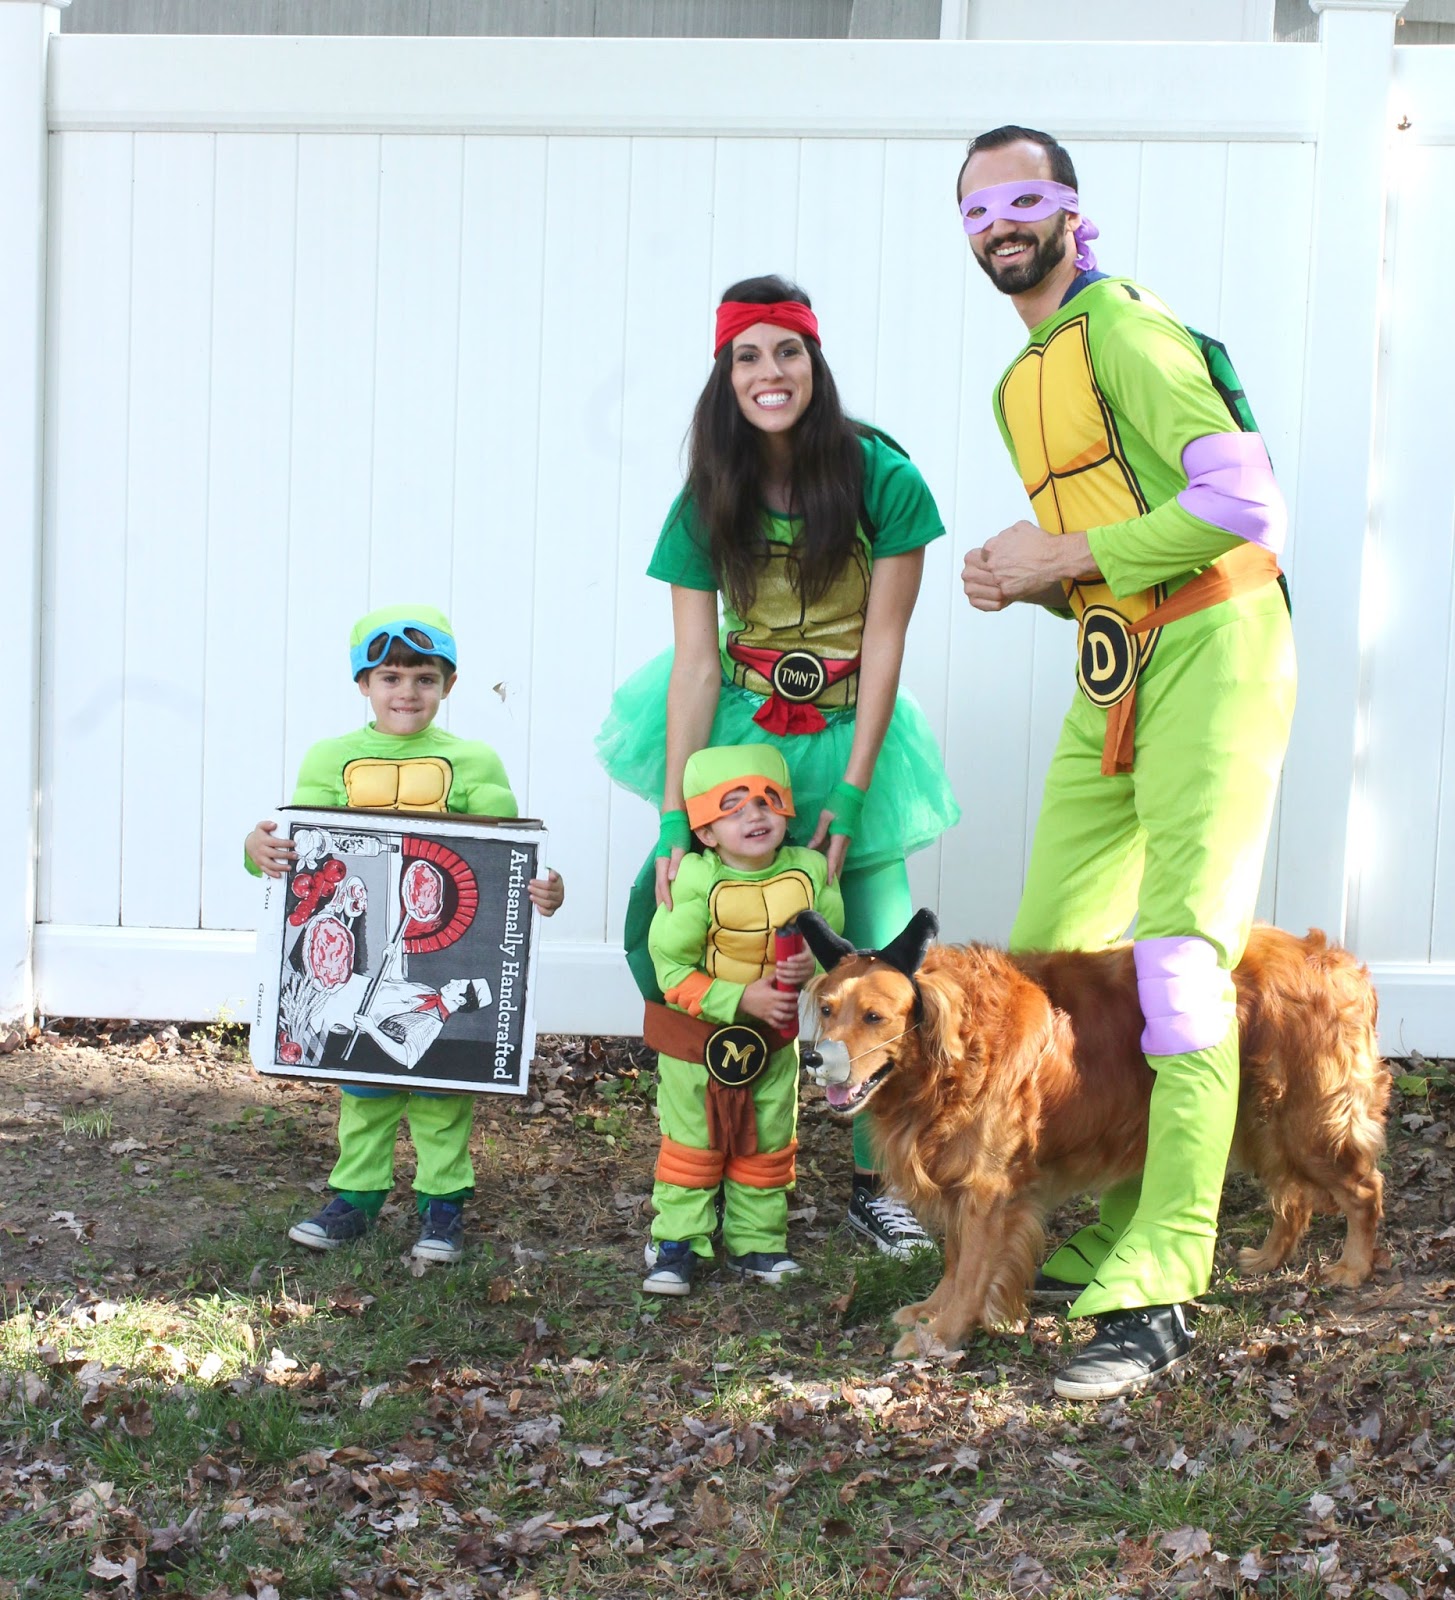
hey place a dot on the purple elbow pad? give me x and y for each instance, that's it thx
(1185, 995)
(1230, 484)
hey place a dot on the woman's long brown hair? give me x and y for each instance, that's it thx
(725, 466)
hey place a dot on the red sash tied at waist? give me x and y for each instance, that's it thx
(798, 678)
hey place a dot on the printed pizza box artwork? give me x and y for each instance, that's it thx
(399, 952)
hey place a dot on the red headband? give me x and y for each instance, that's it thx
(735, 315)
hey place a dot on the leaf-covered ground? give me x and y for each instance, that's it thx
(189, 1405)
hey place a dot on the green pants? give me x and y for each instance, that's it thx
(367, 1128)
(753, 1218)
(1178, 843)
(876, 907)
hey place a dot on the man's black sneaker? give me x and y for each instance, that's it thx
(441, 1233)
(1129, 1349)
(764, 1266)
(1054, 1291)
(887, 1222)
(338, 1223)
(673, 1263)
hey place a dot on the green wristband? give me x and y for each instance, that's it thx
(846, 801)
(675, 834)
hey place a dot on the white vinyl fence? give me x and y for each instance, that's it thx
(309, 325)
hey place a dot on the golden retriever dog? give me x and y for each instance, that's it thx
(1001, 1086)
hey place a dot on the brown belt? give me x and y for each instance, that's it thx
(674, 1033)
(735, 1058)
(1243, 569)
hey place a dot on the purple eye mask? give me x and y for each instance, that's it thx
(981, 207)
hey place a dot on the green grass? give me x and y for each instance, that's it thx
(797, 1458)
(88, 1124)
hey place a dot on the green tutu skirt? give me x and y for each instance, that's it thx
(909, 804)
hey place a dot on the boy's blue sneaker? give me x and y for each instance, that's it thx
(764, 1266)
(338, 1223)
(441, 1233)
(673, 1262)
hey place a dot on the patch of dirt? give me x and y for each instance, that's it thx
(122, 1145)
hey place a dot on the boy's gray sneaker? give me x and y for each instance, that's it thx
(338, 1223)
(673, 1262)
(1128, 1350)
(764, 1266)
(441, 1233)
(887, 1222)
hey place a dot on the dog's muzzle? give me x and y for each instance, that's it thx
(828, 1062)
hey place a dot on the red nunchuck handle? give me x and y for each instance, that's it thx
(787, 941)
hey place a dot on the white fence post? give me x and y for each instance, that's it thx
(1356, 38)
(25, 29)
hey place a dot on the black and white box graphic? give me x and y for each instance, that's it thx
(398, 951)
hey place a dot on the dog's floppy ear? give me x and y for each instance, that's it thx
(906, 951)
(942, 1003)
(827, 947)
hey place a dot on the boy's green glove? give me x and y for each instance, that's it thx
(675, 834)
(846, 801)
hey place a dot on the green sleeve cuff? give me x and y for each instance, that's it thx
(846, 801)
(721, 1000)
(1165, 544)
(674, 834)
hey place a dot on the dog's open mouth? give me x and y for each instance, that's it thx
(847, 1099)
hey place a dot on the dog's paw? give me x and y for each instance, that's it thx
(921, 1343)
(1258, 1263)
(907, 1316)
(1340, 1276)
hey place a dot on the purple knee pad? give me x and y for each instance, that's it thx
(1184, 995)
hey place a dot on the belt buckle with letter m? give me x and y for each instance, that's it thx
(735, 1055)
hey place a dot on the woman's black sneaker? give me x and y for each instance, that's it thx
(1129, 1349)
(887, 1222)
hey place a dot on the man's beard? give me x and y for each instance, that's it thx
(1046, 255)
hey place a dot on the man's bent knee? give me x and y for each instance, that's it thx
(1188, 1000)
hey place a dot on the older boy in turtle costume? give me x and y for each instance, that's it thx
(403, 659)
(727, 1090)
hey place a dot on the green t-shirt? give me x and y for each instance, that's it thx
(418, 773)
(904, 516)
(1096, 411)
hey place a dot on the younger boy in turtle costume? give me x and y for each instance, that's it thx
(727, 1088)
(403, 660)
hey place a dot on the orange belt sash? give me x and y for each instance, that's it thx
(1243, 569)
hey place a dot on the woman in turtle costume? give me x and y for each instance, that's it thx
(811, 528)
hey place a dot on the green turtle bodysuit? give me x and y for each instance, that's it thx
(1116, 430)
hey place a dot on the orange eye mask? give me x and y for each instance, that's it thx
(705, 809)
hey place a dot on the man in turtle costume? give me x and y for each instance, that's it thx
(1158, 523)
(727, 1087)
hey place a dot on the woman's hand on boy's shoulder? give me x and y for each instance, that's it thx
(271, 855)
(547, 894)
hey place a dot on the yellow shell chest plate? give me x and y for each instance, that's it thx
(741, 918)
(831, 627)
(421, 783)
(1071, 460)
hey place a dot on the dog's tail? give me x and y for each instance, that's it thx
(1356, 1078)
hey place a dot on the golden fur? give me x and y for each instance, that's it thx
(1024, 1084)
